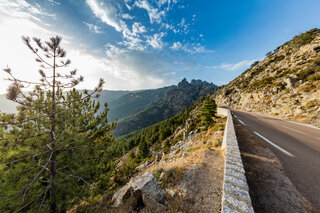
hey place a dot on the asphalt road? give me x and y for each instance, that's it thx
(296, 146)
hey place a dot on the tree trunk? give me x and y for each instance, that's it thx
(53, 169)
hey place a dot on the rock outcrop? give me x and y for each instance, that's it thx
(142, 192)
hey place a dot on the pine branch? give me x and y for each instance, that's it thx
(74, 176)
(22, 159)
(44, 167)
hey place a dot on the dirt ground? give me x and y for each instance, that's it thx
(270, 189)
(202, 183)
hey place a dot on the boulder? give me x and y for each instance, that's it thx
(171, 192)
(185, 135)
(290, 82)
(185, 154)
(144, 165)
(144, 188)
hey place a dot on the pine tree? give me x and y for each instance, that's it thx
(50, 149)
(208, 110)
(143, 149)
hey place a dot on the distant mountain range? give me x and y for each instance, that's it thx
(175, 99)
(141, 108)
(133, 102)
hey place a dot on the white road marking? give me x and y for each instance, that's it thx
(276, 146)
(235, 116)
(294, 130)
(241, 121)
(286, 120)
(317, 138)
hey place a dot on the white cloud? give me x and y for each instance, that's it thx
(184, 26)
(53, 2)
(127, 16)
(235, 66)
(93, 27)
(194, 17)
(121, 68)
(195, 48)
(176, 46)
(107, 14)
(22, 9)
(155, 15)
(138, 28)
(125, 70)
(129, 7)
(167, 26)
(156, 41)
(132, 39)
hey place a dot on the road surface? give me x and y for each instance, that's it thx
(296, 146)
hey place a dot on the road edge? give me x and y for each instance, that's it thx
(288, 120)
(235, 193)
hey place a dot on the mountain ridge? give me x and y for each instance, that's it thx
(285, 84)
(174, 101)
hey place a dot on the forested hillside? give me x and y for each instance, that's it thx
(133, 102)
(174, 101)
(148, 146)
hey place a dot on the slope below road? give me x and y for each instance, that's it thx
(296, 146)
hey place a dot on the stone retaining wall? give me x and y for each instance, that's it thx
(236, 197)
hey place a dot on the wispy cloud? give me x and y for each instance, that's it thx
(93, 27)
(156, 41)
(107, 13)
(231, 67)
(53, 2)
(22, 9)
(155, 15)
(194, 48)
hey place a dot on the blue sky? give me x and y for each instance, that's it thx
(139, 44)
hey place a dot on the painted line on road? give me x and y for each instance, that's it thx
(241, 121)
(274, 145)
(290, 121)
(235, 116)
(294, 130)
(317, 138)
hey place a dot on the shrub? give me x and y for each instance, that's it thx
(282, 85)
(279, 58)
(172, 177)
(312, 104)
(177, 139)
(166, 146)
(254, 64)
(269, 53)
(317, 61)
(317, 49)
(158, 173)
(308, 87)
(217, 143)
(305, 38)
(304, 73)
(314, 77)
(263, 82)
(218, 126)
